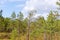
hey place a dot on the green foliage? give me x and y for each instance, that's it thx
(50, 21)
(20, 16)
(38, 27)
(2, 24)
(14, 34)
(13, 15)
(1, 13)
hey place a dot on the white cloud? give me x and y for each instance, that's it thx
(40, 5)
(44, 15)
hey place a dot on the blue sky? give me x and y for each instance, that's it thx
(8, 6)
(42, 6)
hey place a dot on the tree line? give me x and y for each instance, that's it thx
(21, 26)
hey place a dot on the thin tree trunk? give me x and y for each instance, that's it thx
(50, 36)
(45, 36)
(28, 30)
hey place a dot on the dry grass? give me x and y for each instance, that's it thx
(56, 36)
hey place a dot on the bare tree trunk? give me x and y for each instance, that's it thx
(27, 34)
(56, 36)
(50, 36)
(28, 30)
(45, 36)
(31, 13)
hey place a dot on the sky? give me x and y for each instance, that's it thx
(43, 7)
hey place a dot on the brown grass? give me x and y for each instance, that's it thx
(55, 36)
